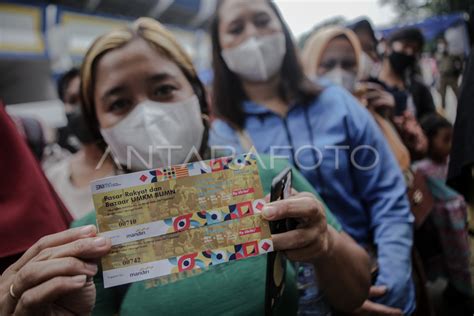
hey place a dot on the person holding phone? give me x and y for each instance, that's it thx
(334, 53)
(135, 80)
(262, 94)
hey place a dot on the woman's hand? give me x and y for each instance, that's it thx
(370, 308)
(342, 267)
(377, 97)
(54, 275)
(312, 239)
(412, 134)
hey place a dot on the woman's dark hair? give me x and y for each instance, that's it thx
(364, 25)
(64, 80)
(227, 89)
(411, 35)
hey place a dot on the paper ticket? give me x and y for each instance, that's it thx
(183, 251)
(152, 203)
(181, 218)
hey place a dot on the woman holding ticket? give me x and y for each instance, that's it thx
(263, 98)
(140, 91)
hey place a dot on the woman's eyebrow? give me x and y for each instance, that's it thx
(160, 77)
(234, 20)
(260, 14)
(112, 92)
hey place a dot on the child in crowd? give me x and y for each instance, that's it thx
(439, 132)
(449, 214)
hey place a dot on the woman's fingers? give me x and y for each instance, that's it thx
(373, 94)
(377, 290)
(378, 99)
(299, 206)
(87, 248)
(293, 239)
(33, 301)
(53, 240)
(37, 272)
(371, 308)
(7, 302)
(309, 240)
(373, 86)
(381, 102)
(304, 245)
(52, 255)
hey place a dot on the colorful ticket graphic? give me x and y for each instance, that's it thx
(181, 218)
(183, 251)
(151, 203)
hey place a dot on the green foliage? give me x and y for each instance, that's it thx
(410, 9)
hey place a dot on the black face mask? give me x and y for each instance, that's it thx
(401, 62)
(77, 126)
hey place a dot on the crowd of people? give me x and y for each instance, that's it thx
(369, 151)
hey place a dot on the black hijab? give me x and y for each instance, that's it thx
(460, 176)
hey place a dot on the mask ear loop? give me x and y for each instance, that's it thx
(204, 151)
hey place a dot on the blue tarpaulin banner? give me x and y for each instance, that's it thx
(431, 27)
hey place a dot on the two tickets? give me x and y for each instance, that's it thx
(181, 218)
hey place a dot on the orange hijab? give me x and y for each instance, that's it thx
(317, 43)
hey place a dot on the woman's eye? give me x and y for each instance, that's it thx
(164, 91)
(261, 21)
(236, 28)
(328, 65)
(119, 105)
(349, 64)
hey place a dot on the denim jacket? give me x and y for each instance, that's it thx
(338, 147)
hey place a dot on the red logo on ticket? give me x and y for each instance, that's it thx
(242, 191)
(249, 231)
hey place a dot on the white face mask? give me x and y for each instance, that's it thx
(258, 58)
(161, 134)
(342, 77)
